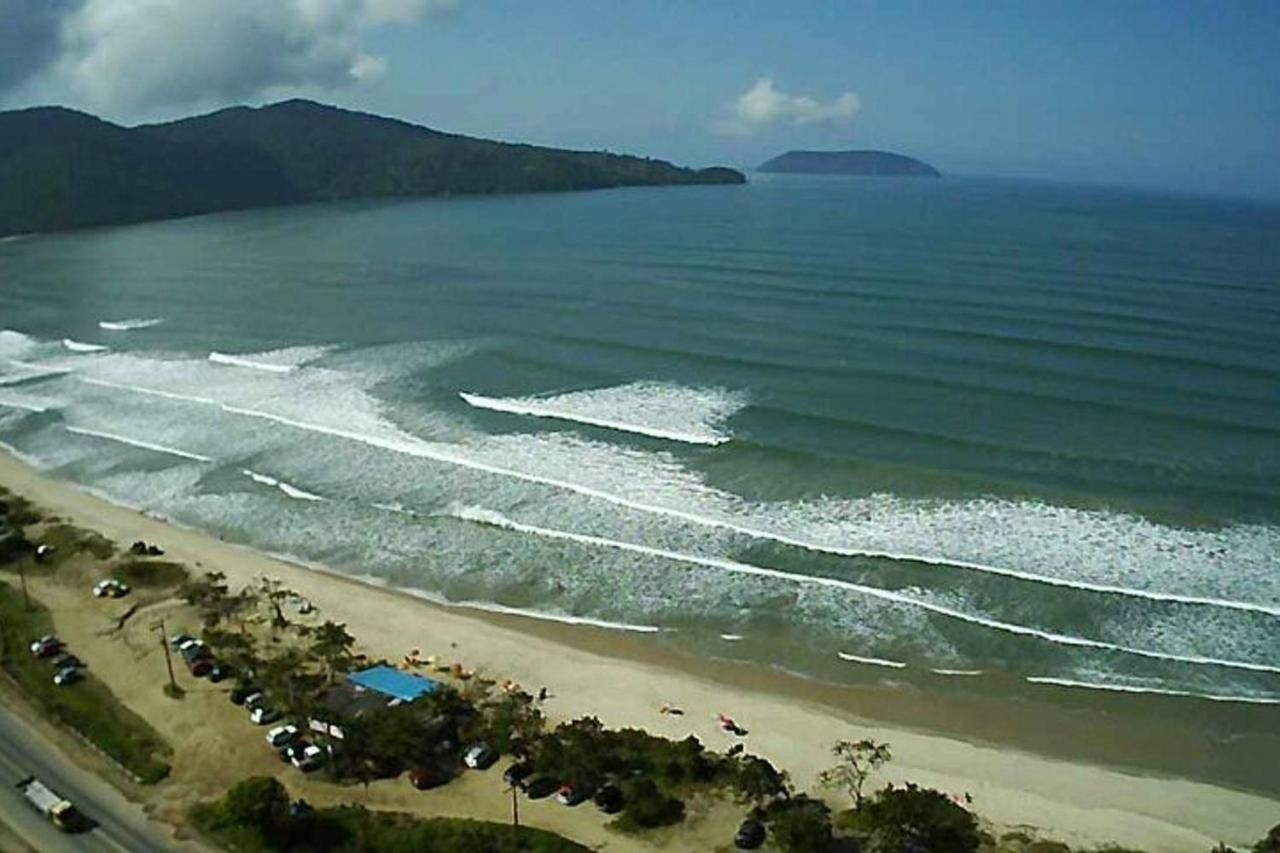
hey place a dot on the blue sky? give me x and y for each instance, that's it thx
(1181, 95)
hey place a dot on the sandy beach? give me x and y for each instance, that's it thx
(625, 680)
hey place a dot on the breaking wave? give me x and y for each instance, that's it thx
(484, 516)
(275, 361)
(133, 442)
(290, 490)
(1159, 691)
(654, 409)
(891, 664)
(78, 346)
(129, 325)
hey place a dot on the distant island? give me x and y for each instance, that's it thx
(64, 169)
(850, 163)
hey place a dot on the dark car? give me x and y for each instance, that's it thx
(538, 786)
(423, 778)
(609, 799)
(200, 667)
(219, 672)
(242, 692)
(573, 793)
(750, 835)
(517, 773)
(64, 661)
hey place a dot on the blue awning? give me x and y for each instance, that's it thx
(394, 683)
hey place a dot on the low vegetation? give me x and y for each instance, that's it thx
(256, 816)
(143, 573)
(89, 707)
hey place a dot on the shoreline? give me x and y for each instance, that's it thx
(624, 679)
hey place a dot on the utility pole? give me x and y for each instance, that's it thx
(22, 576)
(168, 661)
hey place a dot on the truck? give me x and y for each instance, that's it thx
(60, 812)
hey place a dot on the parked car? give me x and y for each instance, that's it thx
(242, 692)
(262, 715)
(110, 588)
(480, 756)
(193, 650)
(253, 700)
(609, 799)
(199, 667)
(517, 773)
(423, 778)
(219, 672)
(177, 640)
(66, 676)
(67, 660)
(46, 646)
(571, 794)
(282, 736)
(539, 785)
(750, 835)
(303, 755)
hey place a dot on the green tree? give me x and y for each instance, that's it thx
(259, 803)
(1270, 844)
(921, 820)
(331, 645)
(855, 762)
(759, 782)
(801, 825)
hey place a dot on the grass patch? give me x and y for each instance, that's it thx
(254, 817)
(67, 540)
(141, 573)
(88, 707)
(17, 510)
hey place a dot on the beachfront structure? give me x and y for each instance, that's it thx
(367, 691)
(393, 683)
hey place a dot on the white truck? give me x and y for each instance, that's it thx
(60, 812)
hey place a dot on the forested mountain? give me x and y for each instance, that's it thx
(64, 169)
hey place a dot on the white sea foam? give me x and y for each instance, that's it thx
(13, 402)
(956, 672)
(78, 346)
(290, 490)
(129, 325)
(731, 638)
(1159, 691)
(484, 516)
(274, 361)
(14, 344)
(564, 618)
(1143, 551)
(133, 442)
(656, 409)
(892, 664)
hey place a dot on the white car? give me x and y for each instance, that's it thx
(262, 715)
(110, 588)
(308, 759)
(45, 646)
(281, 735)
(480, 757)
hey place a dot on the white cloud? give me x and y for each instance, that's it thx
(762, 105)
(147, 53)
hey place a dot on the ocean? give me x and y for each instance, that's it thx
(953, 435)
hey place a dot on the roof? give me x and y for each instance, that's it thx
(392, 682)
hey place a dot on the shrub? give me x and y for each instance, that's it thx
(919, 819)
(647, 807)
(800, 824)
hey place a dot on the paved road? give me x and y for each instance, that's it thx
(122, 826)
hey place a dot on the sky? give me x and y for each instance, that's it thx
(1183, 96)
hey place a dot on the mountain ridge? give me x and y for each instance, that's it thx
(65, 168)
